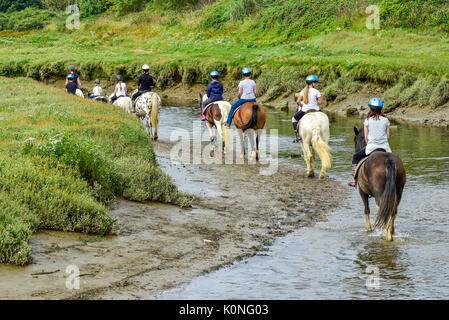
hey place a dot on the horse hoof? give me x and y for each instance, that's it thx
(242, 156)
(310, 175)
(253, 156)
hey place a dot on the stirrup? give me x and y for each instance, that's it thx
(297, 138)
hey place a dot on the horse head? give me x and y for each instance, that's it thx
(359, 139)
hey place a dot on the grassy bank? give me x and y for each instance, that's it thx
(63, 160)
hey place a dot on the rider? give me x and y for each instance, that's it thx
(309, 98)
(214, 92)
(145, 83)
(76, 79)
(377, 132)
(247, 93)
(120, 89)
(70, 86)
(97, 91)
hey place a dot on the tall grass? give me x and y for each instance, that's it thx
(63, 160)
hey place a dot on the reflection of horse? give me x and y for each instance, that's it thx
(79, 93)
(216, 115)
(314, 131)
(124, 103)
(381, 175)
(248, 118)
(147, 107)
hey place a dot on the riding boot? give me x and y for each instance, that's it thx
(295, 128)
(203, 117)
(353, 182)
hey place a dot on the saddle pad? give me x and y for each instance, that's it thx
(237, 109)
(205, 108)
(363, 161)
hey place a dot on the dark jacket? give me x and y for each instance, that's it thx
(215, 91)
(145, 82)
(71, 87)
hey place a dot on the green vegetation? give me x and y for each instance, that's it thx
(62, 162)
(281, 40)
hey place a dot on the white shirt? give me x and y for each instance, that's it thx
(377, 134)
(247, 86)
(121, 89)
(97, 91)
(314, 94)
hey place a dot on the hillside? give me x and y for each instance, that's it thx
(282, 41)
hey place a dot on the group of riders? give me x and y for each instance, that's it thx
(144, 84)
(376, 125)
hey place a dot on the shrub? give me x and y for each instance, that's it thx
(28, 19)
(440, 94)
(340, 88)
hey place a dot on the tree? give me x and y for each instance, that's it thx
(17, 5)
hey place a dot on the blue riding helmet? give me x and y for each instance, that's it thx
(246, 71)
(70, 76)
(375, 104)
(119, 77)
(310, 79)
(214, 74)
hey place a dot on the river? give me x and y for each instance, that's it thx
(337, 258)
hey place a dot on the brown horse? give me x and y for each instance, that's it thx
(248, 118)
(216, 115)
(381, 175)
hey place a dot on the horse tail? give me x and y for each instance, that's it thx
(387, 203)
(154, 110)
(253, 121)
(321, 148)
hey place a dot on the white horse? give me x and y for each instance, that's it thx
(147, 107)
(216, 115)
(124, 103)
(79, 93)
(314, 131)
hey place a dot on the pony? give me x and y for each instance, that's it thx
(216, 114)
(250, 118)
(124, 103)
(147, 107)
(314, 132)
(382, 176)
(79, 93)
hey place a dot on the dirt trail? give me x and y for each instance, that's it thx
(238, 213)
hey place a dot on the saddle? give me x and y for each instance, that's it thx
(359, 165)
(311, 110)
(205, 108)
(236, 109)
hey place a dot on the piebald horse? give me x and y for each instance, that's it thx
(381, 175)
(216, 115)
(314, 132)
(147, 107)
(250, 118)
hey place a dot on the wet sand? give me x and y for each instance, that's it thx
(237, 213)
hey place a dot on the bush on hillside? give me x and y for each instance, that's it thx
(17, 5)
(28, 19)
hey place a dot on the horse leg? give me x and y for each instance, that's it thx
(367, 211)
(211, 133)
(150, 128)
(390, 228)
(251, 141)
(242, 143)
(259, 134)
(308, 156)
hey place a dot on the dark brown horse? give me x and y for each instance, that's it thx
(216, 115)
(248, 118)
(381, 175)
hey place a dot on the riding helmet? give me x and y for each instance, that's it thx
(246, 71)
(214, 74)
(311, 79)
(97, 81)
(72, 68)
(375, 104)
(70, 76)
(119, 77)
(145, 67)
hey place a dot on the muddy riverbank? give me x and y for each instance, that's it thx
(237, 214)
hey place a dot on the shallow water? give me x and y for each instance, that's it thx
(337, 259)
